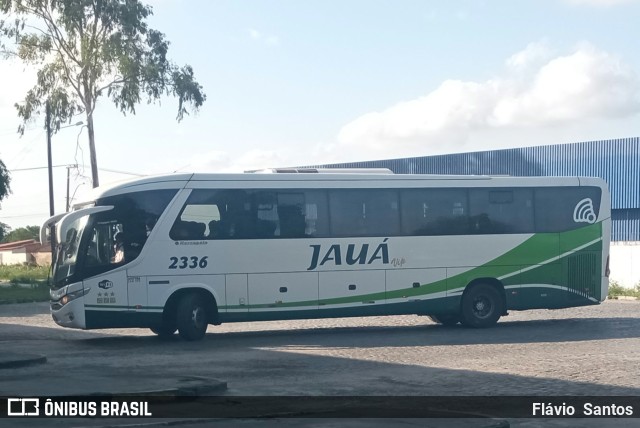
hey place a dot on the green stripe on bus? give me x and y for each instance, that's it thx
(538, 249)
(107, 306)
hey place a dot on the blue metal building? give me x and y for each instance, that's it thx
(616, 161)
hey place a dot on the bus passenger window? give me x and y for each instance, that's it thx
(497, 211)
(428, 212)
(187, 230)
(564, 200)
(291, 215)
(197, 221)
(364, 212)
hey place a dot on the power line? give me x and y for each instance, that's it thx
(26, 149)
(37, 167)
(121, 172)
(59, 166)
(24, 215)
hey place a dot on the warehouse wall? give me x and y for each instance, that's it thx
(617, 161)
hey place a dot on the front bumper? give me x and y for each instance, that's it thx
(70, 315)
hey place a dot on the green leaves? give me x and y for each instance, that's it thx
(86, 49)
(89, 48)
(5, 180)
(33, 48)
(188, 91)
(52, 85)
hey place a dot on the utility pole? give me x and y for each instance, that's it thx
(49, 163)
(67, 207)
(68, 179)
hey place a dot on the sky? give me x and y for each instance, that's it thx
(292, 82)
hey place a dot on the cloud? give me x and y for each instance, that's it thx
(17, 79)
(586, 84)
(267, 39)
(534, 54)
(219, 161)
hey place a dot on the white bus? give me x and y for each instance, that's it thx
(180, 252)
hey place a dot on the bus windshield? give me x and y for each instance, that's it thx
(66, 253)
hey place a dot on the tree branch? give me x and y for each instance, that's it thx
(115, 82)
(37, 29)
(7, 54)
(74, 84)
(92, 47)
(59, 37)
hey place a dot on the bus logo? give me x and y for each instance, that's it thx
(354, 255)
(105, 285)
(584, 212)
(23, 407)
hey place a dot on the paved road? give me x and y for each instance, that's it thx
(578, 351)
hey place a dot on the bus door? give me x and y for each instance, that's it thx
(104, 265)
(107, 291)
(136, 291)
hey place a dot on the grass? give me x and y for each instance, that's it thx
(616, 290)
(18, 294)
(23, 284)
(24, 274)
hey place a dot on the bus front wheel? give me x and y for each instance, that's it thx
(481, 306)
(191, 317)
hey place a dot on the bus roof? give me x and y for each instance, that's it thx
(181, 180)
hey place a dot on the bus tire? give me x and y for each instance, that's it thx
(481, 306)
(445, 320)
(191, 317)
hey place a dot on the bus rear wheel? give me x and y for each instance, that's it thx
(445, 320)
(481, 306)
(192, 317)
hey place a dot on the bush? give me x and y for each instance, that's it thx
(24, 274)
(18, 276)
(616, 290)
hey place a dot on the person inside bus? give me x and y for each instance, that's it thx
(118, 248)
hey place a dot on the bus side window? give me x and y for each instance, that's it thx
(564, 200)
(316, 213)
(430, 212)
(187, 230)
(292, 222)
(266, 214)
(197, 221)
(291, 216)
(498, 211)
(364, 212)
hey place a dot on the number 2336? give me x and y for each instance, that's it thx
(192, 262)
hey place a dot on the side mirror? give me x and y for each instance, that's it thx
(45, 229)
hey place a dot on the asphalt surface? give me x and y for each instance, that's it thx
(577, 351)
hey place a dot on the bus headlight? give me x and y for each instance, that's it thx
(73, 295)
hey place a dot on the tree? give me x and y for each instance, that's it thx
(22, 233)
(4, 181)
(4, 230)
(89, 48)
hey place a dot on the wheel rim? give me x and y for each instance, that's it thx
(482, 307)
(197, 317)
